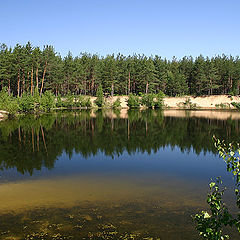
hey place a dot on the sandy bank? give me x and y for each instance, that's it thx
(205, 102)
(3, 115)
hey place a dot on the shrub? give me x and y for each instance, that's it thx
(223, 105)
(59, 102)
(117, 103)
(4, 98)
(236, 105)
(88, 102)
(12, 107)
(211, 224)
(159, 102)
(26, 103)
(47, 101)
(148, 100)
(100, 99)
(133, 101)
(187, 104)
(79, 101)
(69, 100)
(36, 98)
(8, 102)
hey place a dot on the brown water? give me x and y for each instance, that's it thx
(104, 175)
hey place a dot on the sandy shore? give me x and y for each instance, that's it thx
(203, 103)
(206, 102)
(3, 115)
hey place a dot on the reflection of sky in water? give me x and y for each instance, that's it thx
(166, 162)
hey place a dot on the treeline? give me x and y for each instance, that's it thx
(30, 69)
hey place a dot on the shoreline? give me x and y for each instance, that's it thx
(202, 103)
(212, 102)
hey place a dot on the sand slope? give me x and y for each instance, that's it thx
(206, 102)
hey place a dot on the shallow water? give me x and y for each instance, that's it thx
(110, 175)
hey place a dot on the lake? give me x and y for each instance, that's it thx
(110, 174)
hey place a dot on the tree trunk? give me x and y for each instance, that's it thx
(129, 84)
(18, 84)
(44, 72)
(32, 82)
(134, 86)
(211, 90)
(112, 91)
(27, 84)
(237, 86)
(92, 86)
(9, 86)
(37, 79)
(147, 87)
(23, 85)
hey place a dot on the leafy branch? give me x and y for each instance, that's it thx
(210, 225)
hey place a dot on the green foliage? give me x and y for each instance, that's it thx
(133, 101)
(223, 106)
(84, 102)
(159, 102)
(148, 100)
(187, 104)
(211, 226)
(36, 98)
(69, 100)
(87, 102)
(59, 102)
(8, 102)
(116, 104)
(100, 99)
(26, 103)
(47, 101)
(117, 74)
(236, 105)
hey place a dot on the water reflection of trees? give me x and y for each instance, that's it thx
(32, 142)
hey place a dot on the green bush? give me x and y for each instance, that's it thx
(133, 101)
(211, 224)
(59, 102)
(236, 105)
(187, 104)
(159, 102)
(47, 101)
(100, 98)
(117, 103)
(223, 106)
(79, 101)
(148, 100)
(69, 100)
(26, 103)
(8, 102)
(36, 98)
(87, 102)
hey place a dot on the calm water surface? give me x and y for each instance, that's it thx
(110, 175)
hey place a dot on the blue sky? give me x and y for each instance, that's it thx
(164, 27)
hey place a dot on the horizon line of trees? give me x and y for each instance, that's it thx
(27, 69)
